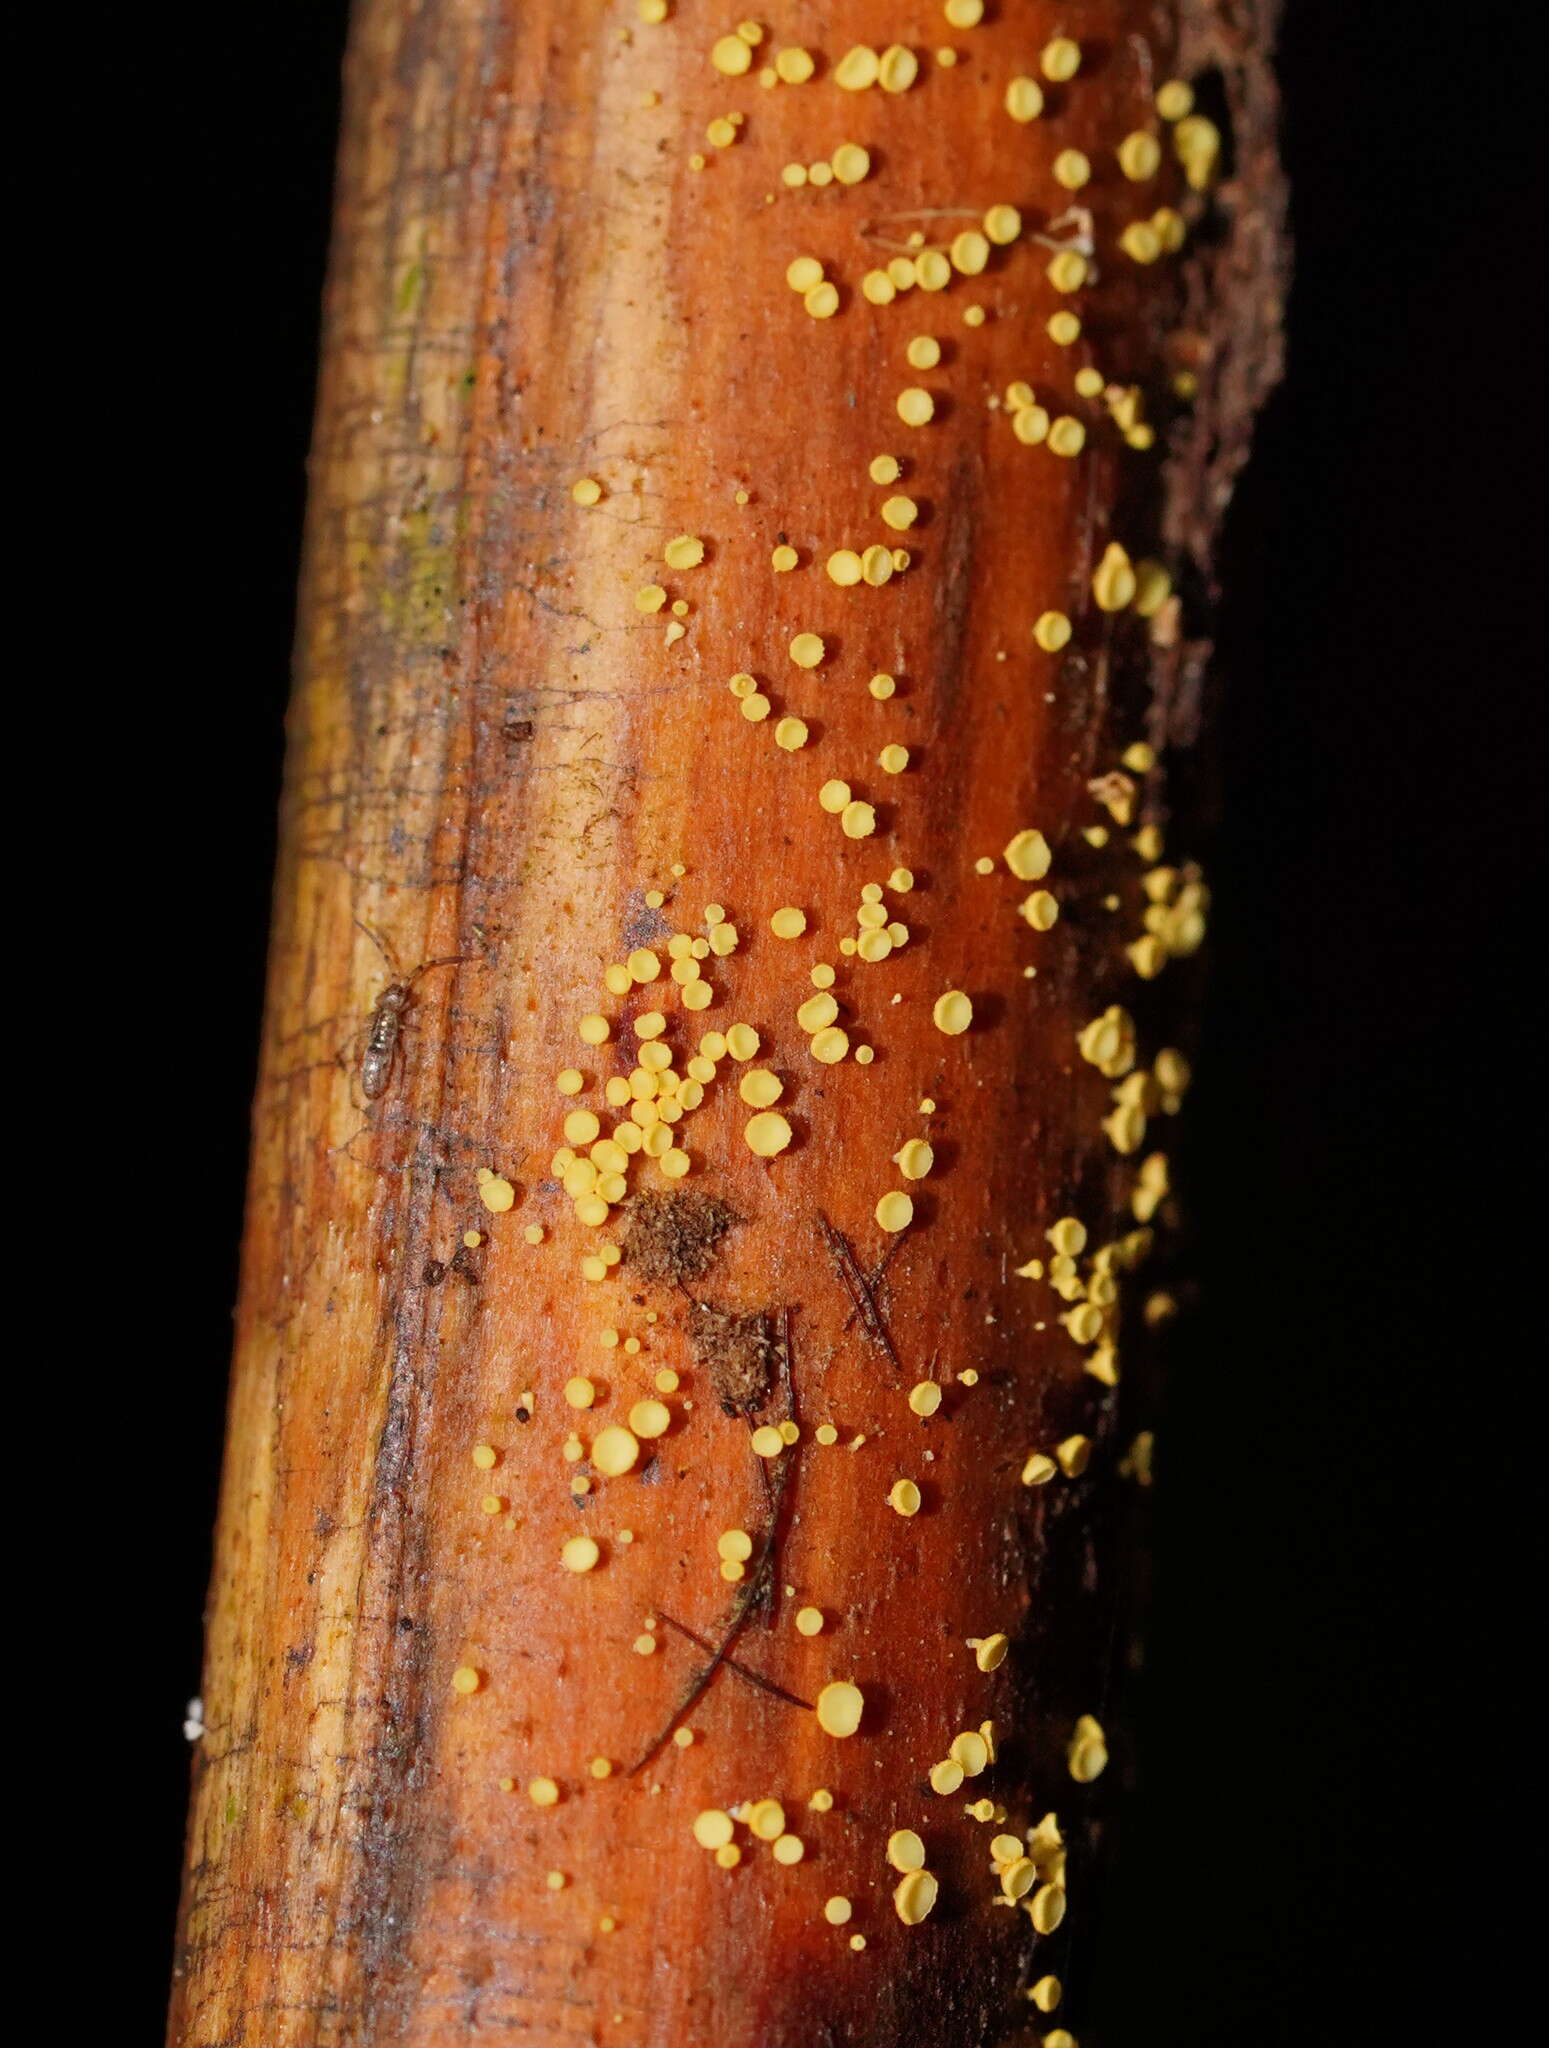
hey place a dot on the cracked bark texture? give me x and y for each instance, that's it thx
(492, 755)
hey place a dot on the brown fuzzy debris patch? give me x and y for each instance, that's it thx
(737, 1351)
(672, 1238)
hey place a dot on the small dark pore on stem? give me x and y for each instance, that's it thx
(672, 1239)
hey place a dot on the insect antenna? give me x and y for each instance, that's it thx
(381, 945)
(446, 960)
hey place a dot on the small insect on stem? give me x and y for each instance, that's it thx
(387, 1015)
(376, 1062)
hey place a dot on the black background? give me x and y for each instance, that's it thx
(1335, 1738)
